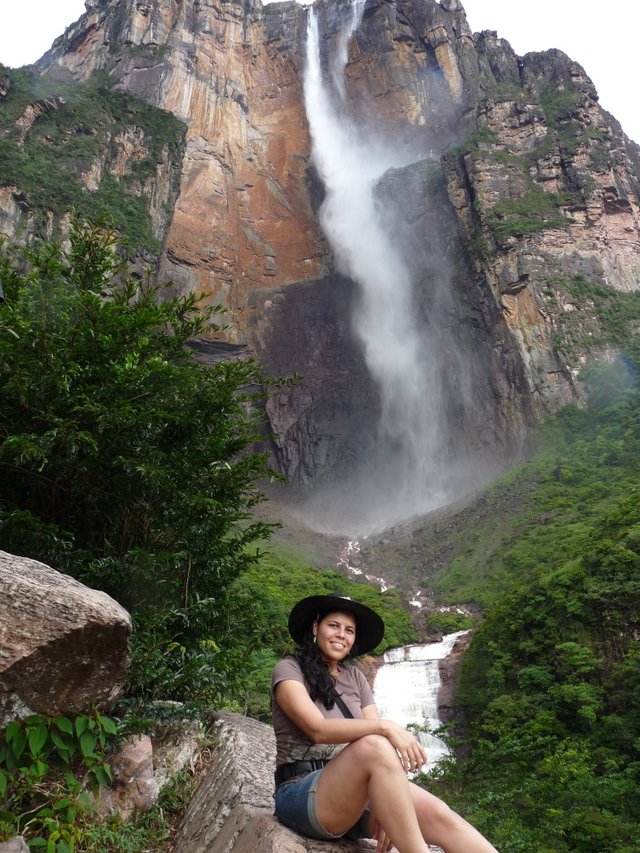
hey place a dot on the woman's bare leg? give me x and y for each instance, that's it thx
(442, 826)
(369, 770)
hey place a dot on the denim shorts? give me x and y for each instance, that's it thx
(296, 808)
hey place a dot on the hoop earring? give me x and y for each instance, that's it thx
(315, 639)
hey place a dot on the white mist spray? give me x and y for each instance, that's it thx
(405, 475)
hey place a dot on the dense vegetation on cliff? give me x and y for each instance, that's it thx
(550, 681)
(89, 148)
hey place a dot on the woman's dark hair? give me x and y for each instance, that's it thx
(316, 670)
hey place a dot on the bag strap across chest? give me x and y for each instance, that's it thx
(343, 707)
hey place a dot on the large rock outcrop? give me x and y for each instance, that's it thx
(537, 184)
(448, 669)
(547, 196)
(232, 810)
(63, 646)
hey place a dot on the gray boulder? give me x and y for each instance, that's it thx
(133, 786)
(63, 646)
(15, 845)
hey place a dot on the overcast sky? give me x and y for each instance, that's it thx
(603, 37)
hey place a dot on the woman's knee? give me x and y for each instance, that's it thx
(435, 814)
(375, 749)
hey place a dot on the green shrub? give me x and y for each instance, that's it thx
(46, 764)
(448, 622)
(527, 214)
(560, 105)
(123, 460)
(606, 316)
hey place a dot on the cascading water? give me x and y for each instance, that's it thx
(406, 690)
(408, 466)
(406, 469)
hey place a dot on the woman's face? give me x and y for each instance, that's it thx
(335, 635)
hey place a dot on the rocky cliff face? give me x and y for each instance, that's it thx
(231, 72)
(513, 170)
(85, 147)
(546, 193)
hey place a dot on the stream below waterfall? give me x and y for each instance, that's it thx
(406, 690)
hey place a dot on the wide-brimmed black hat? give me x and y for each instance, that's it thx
(369, 626)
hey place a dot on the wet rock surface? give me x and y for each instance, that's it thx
(448, 675)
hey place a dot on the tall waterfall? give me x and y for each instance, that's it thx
(406, 690)
(405, 473)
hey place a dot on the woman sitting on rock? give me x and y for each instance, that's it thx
(341, 771)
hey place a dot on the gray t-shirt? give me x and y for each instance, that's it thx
(292, 744)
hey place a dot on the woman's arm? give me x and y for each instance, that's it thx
(295, 702)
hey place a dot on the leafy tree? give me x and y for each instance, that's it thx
(123, 460)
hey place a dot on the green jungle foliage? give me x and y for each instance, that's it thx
(77, 126)
(551, 679)
(449, 622)
(587, 459)
(48, 766)
(606, 316)
(124, 461)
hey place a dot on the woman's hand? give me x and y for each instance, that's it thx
(408, 747)
(384, 843)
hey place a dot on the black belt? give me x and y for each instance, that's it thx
(298, 768)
